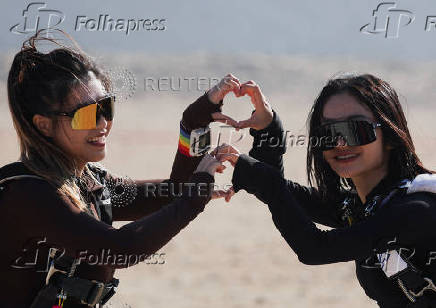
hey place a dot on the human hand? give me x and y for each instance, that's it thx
(263, 114)
(210, 165)
(217, 93)
(224, 153)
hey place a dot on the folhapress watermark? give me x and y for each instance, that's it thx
(388, 20)
(107, 23)
(36, 255)
(37, 16)
(106, 257)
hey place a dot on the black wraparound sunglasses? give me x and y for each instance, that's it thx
(351, 133)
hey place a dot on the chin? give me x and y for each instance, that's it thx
(96, 157)
(348, 172)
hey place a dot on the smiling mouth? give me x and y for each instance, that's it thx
(346, 157)
(99, 141)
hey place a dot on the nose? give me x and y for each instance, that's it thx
(101, 122)
(341, 141)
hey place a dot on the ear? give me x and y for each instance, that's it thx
(43, 124)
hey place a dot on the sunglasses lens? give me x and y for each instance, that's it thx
(351, 133)
(87, 117)
(106, 106)
(84, 118)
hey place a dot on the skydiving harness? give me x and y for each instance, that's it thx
(60, 281)
(409, 278)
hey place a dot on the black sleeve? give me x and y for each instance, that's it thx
(196, 115)
(315, 246)
(269, 146)
(63, 224)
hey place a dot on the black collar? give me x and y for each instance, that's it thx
(383, 187)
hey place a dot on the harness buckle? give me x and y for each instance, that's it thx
(95, 294)
(430, 286)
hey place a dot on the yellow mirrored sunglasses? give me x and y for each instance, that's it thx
(86, 116)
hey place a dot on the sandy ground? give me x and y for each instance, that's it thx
(232, 255)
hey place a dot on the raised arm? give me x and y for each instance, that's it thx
(315, 246)
(269, 146)
(206, 109)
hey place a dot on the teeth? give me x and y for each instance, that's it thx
(97, 139)
(346, 156)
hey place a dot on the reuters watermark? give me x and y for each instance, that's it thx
(179, 83)
(175, 190)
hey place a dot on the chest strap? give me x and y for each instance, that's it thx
(409, 278)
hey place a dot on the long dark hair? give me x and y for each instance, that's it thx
(37, 84)
(383, 101)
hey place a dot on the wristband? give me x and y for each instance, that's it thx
(194, 143)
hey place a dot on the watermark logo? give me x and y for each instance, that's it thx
(123, 82)
(38, 16)
(108, 23)
(388, 20)
(35, 254)
(179, 83)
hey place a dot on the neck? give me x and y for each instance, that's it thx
(366, 182)
(80, 167)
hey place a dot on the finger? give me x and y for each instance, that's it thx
(230, 85)
(219, 117)
(245, 123)
(230, 157)
(220, 168)
(225, 149)
(216, 194)
(232, 77)
(248, 88)
(229, 194)
(237, 92)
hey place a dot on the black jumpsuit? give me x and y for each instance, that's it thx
(35, 217)
(407, 221)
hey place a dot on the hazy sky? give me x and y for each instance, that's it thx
(324, 28)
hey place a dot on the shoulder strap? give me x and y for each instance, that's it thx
(15, 171)
(17, 177)
(409, 278)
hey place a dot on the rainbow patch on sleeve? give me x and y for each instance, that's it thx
(184, 141)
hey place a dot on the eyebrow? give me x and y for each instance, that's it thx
(351, 117)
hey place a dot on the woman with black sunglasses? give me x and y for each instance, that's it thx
(371, 188)
(57, 205)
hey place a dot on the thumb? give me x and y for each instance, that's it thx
(230, 157)
(245, 123)
(219, 117)
(229, 194)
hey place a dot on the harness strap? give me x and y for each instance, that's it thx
(410, 280)
(89, 292)
(17, 177)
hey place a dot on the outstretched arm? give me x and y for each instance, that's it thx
(269, 146)
(203, 111)
(67, 227)
(315, 246)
